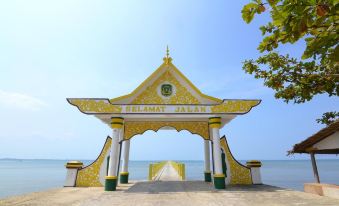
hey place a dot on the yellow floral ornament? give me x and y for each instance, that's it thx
(152, 96)
(89, 176)
(95, 106)
(235, 106)
(134, 128)
(240, 174)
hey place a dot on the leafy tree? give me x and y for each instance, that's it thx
(317, 71)
(328, 118)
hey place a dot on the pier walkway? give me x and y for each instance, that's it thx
(167, 173)
(178, 193)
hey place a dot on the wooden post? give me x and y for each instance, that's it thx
(315, 169)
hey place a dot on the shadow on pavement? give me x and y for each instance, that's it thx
(155, 187)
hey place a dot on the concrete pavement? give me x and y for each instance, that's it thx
(178, 193)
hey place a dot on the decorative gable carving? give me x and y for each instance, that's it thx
(154, 93)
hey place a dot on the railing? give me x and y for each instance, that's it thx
(180, 168)
(155, 168)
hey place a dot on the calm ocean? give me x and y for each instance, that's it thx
(24, 176)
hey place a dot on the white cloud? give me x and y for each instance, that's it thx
(22, 101)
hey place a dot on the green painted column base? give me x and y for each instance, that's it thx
(124, 177)
(208, 177)
(219, 181)
(110, 183)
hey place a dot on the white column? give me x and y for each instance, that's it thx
(112, 177)
(256, 176)
(255, 166)
(218, 177)
(114, 155)
(72, 171)
(126, 145)
(207, 156)
(217, 151)
(121, 136)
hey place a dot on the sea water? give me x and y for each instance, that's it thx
(24, 176)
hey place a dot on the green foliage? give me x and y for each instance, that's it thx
(328, 118)
(317, 71)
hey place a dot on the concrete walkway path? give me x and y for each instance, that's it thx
(178, 193)
(168, 173)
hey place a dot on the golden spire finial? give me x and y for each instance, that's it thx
(167, 52)
(167, 58)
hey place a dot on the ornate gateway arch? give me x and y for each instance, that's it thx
(165, 100)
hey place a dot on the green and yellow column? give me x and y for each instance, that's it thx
(124, 173)
(111, 178)
(207, 172)
(218, 177)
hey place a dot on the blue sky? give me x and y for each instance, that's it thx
(51, 50)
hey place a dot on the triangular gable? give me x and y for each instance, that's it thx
(167, 85)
